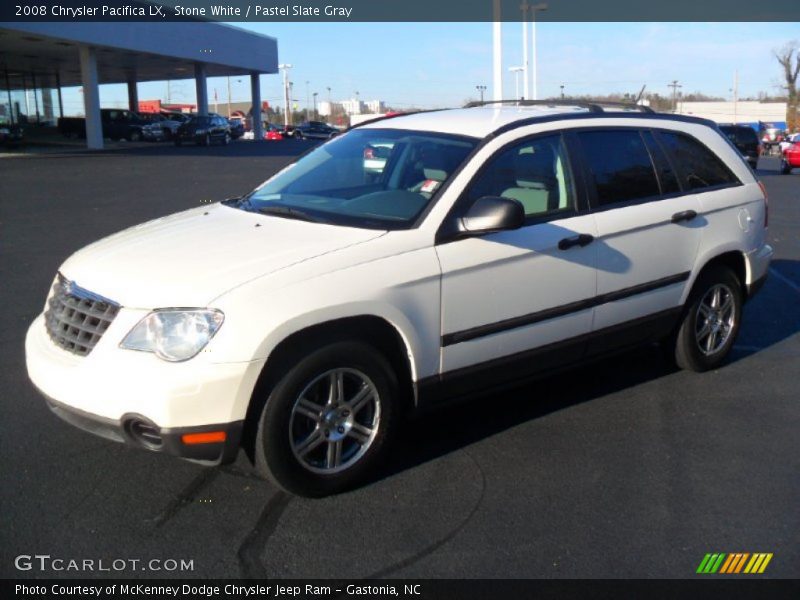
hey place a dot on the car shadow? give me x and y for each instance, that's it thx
(769, 318)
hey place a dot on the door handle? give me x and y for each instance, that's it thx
(686, 215)
(583, 239)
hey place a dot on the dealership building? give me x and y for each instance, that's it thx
(37, 60)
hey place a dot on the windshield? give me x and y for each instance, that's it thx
(375, 178)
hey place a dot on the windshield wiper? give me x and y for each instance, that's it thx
(289, 213)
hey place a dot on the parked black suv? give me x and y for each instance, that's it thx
(746, 141)
(117, 123)
(203, 130)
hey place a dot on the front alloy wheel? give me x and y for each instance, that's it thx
(326, 423)
(334, 421)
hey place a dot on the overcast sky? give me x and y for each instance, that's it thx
(439, 64)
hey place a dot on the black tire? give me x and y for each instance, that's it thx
(135, 136)
(688, 339)
(207, 140)
(298, 135)
(786, 168)
(275, 457)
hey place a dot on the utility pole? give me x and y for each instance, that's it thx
(735, 95)
(497, 53)
(286, 114)
(675, 86)
(308, 106)
(169, 95)
(562, 91)
(481, 89)
(316, 116)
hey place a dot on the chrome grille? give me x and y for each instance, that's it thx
(76, 318)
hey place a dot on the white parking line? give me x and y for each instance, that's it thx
(785, 280)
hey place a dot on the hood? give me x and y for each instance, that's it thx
(190, 258)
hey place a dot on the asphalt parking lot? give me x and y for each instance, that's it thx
(623, 469)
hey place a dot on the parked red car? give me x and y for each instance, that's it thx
(272, 133)
(791, 158)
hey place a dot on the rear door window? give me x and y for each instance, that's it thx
(619, 166)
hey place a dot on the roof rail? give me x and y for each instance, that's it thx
(597, 106)
(392, 116)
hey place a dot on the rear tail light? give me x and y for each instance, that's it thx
(369, 153)
(766, 202)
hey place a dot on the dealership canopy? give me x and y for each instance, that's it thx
(55, 55)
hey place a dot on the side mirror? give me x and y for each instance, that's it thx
(493, 213)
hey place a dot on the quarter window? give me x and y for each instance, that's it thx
(619, 165)
(697, 166)
(535, 172)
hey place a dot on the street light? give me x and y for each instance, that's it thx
(481, 89)
(524, 7)
(516, 71)
(562, 91)
(314, 95)
(541, 7)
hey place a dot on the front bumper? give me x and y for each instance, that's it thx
(137, 398)
(137, 431)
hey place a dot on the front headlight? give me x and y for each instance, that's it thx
(174, 334)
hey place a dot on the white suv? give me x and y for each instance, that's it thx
(494, 243)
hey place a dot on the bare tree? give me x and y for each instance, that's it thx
(789, 59)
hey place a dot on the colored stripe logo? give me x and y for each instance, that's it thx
(734, 563)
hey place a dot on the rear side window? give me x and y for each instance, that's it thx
(619, 165)
(698, 167)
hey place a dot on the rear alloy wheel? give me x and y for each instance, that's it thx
(711, 321)
(227, 139)
(135, 136)
(326, 423)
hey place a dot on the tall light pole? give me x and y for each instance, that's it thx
(229, 96)
(285, 68)
(562, 91)
(497, 53)
(481, 89)
(308, 106)
(525, 64)
(541, 7)
(316, 117)
(516, 71)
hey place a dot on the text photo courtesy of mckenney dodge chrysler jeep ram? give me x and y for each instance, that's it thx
(549, 236)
